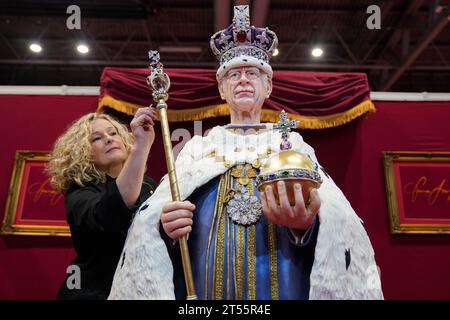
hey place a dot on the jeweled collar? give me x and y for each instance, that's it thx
(247, 129)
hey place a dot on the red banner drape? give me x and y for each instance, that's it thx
(317, 99)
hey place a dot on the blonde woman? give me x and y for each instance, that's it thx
(99, 166)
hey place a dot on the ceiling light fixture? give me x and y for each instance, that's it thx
(317, 52)
(82, 48)
(35, 47)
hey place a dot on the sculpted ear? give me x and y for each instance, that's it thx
(269, 87)
(220, 85)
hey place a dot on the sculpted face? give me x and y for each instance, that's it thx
(245, 89)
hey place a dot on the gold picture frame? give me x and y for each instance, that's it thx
(418, 191)
(32, 207)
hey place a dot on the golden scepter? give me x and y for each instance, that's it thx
(159, 82)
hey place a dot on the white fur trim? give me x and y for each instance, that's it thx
(146, 272)
(243, 61)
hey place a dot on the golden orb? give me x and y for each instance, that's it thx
(291, 167)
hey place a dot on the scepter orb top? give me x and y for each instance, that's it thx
(158, 81)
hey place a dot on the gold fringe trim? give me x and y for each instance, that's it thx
(218, 207)
(322, 122)
(118, 105)
(229, 258)
(251, 262)
(306, 122)
(240, 260)
(191, 114)
(219, 256)
(273, 261)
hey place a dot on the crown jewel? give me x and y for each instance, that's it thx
(241, 39)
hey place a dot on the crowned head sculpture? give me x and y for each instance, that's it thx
(243, 45)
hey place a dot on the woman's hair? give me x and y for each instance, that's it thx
(71, 159)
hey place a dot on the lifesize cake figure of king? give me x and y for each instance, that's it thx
(246, 242)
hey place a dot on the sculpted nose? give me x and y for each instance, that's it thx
(243, 78)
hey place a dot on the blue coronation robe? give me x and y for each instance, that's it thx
(261, 262)
(233, 261)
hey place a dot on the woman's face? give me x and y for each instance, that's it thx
(107, 147)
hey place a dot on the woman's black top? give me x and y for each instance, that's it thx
(99, 221)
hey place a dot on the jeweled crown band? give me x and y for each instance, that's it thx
(244, 51)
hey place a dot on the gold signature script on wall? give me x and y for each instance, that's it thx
(417, 191)
(421, 187)
(43, 189)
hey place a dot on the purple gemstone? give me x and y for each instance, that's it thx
(285, 145)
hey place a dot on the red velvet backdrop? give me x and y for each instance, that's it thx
(33, 267)
(412, 266)
(299, 93)
(317, 99)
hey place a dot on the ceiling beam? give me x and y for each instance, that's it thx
(423, 43)
(211, 64)
(410, 11)
(124, 45)
(439, 53)
(394, 33)
(365, 34)
(91, 10)
(96, 44)
(10, 47)
(58, 9)
(142, 41)
(345, 46)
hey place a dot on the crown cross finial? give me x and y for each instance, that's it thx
(154, 58)
(284, 126)
(241, 16)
